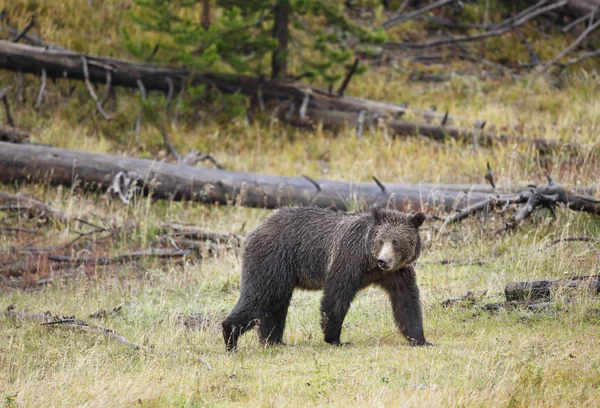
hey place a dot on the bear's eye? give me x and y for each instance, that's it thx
(395, 242)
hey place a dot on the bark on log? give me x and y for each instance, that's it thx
(543, 289)
(26, 163)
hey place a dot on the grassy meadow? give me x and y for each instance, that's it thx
(509, 358)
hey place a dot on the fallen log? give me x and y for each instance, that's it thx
(58, 63)
(336, 119)
(27, 163)
(30, 206)
(544, 289)
(304, 103)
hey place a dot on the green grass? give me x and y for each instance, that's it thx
(510, 358)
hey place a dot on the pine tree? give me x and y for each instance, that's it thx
(277, 38)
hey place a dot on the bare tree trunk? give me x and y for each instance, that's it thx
(206, 14)
(281, 33)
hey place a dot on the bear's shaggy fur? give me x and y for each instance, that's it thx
(339, 252)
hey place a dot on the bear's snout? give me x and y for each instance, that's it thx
(385, 260)
(383, 264)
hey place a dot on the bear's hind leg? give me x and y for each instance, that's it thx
(272, 324)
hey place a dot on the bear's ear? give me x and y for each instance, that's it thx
(376, 215)
(417, 219)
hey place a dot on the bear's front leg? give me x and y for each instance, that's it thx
(339, 290)
(406, 304)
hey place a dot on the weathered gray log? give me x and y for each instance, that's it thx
(27, 163)
(67, 64)
(336, 118)
(543, 289)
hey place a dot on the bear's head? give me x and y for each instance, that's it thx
(394, 238)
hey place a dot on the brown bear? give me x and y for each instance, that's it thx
(340, 252)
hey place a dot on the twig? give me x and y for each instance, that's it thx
(179, 101)
(19, 94)
(581, 19)
(490, 176)
(107, 88)
(571, 239)
(25, 30)
(304, 105)
(138, 122)
(519, 15)
(476, 37)
(102, 313)
(168, 144)
(380, 184)
(169, 94)
(132, 256)
(90, 88)
(582, 57)
(313, 182)
(38, 102)
(153, 53)
(348, 77)
(564, 52)
(3, 96)
(468, 297)
(72, 322)
(176, 230)
(196, 156)
(398, 18)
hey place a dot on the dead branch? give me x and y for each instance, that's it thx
(398, 18)
(138, 122)
(25, 31)
(102, 313)
(40, 97)
(177, 230)
(9, 117)
(107, 88)
(469, 297)
(170, 148)
(585, 17)
(468, 38)
(530, 305)
(196, 156)
(10, 312)
(547, 196)
(582, 57)
(71, 322)
(90, 88)
(593, 240)
(128, 257)
(564, 52)
(544, 289)
(348, 77)
(30, 206)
